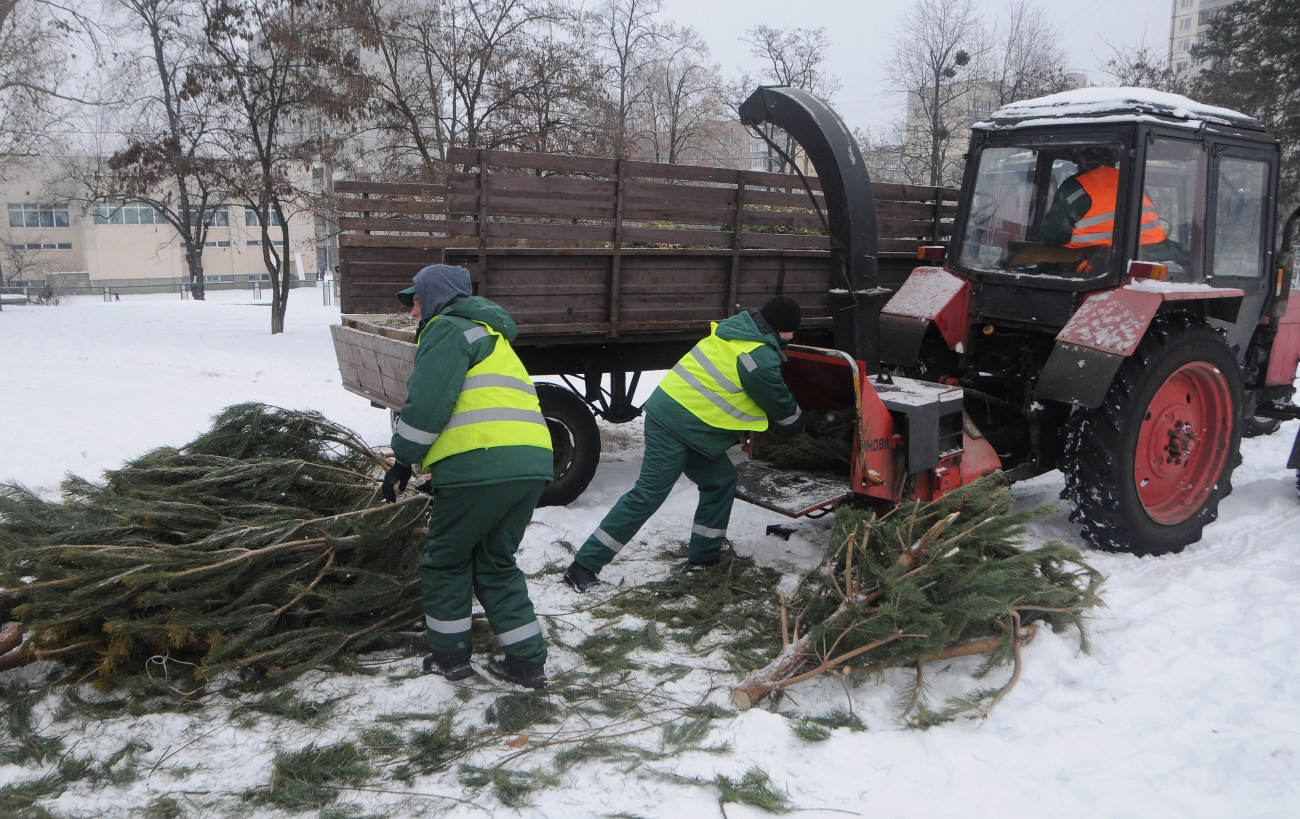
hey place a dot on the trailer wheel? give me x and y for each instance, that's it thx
(1258, 426)
(1146, 469)
(575, 440)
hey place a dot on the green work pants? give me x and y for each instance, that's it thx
(666, 458)
(474, 532)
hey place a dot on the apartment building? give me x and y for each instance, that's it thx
(1189, 20)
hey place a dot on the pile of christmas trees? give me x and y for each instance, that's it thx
(261, 547)
(924, 582)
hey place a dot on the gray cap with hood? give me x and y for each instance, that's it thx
(437, 285)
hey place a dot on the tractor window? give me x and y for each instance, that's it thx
(1032, 210)
(1171, 182)
(1241, 190)
(1000, 205)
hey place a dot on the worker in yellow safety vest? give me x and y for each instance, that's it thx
(728, 384)
(472, 420)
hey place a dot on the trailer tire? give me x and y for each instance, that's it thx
(575, 442)
(1258, 426)
(1146, 470)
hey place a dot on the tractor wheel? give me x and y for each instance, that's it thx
(575, 441)
(1146, 469)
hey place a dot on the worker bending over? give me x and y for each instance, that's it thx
(728, 384)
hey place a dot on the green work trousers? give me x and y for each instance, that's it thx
(474, 532)
(666, 458)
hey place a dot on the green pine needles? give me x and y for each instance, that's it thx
(928, 581)
(259, 548)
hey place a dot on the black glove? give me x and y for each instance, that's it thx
(426, 487)
(395, 481)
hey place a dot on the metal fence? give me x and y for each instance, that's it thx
(185, 290)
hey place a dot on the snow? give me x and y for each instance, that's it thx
(1189, 705)
(1157, 286)
(1101, 102)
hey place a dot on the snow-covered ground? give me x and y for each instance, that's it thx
(1189, 705)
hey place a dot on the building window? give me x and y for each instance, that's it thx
(251, 218)
(218, 278)
(254, 242)
(259, 277)
(1184, 24)
(33, 215)
(220, 243)
(127, 213)
(42, 245)
(215, 217)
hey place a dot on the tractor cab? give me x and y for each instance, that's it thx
(1094, 188)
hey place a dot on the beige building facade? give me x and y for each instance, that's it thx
(48, 233)
(1189, 20)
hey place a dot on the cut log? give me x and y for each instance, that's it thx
(11, 640)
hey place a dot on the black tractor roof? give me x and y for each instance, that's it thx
(1116, 105)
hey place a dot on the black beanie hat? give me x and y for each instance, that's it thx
(782, 314)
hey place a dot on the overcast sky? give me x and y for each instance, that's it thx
(862, 33)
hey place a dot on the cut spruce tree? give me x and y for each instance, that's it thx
(259, 548)
(923, 582)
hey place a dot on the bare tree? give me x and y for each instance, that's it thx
(454, 73)
(167, 161)
(1027, 59)
(792, 57)
(286, 68)
(1143, 66)
(36, 40)
(686, 100)
(561, 105)
(18, 263)
(932, 65)
(626, 30)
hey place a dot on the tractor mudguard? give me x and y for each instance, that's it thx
(930, 295)
(1108, 327)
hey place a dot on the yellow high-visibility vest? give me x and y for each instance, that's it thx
(707, 383)
(497, 405)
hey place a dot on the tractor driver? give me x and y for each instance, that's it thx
(1082, 215)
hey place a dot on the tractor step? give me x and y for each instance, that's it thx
(792, 492)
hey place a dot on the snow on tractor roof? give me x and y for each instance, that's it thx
(1117, 105)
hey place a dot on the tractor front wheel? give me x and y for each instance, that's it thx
(1146, 469)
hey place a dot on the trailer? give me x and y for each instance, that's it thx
(610, 268)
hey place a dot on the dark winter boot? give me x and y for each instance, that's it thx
(580, 579)
(454, 665)
(520, 672)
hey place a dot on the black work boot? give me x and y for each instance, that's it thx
(520, 672)
(453, 665)
(580, 579)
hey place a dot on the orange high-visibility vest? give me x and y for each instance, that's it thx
(1097, 226)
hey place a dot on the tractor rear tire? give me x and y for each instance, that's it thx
(575, 442)
(1146, 470)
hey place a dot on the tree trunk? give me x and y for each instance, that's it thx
(195, 263)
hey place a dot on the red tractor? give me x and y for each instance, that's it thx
(1113, 305)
